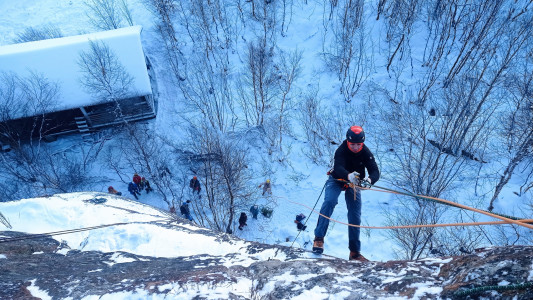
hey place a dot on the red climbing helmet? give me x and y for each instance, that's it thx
(355, 135)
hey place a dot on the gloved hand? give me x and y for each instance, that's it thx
(366, 183)
(354, 178)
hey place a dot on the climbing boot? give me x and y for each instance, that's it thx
(318, 245)
(357, 257)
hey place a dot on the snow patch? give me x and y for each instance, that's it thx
(118, 258)
(36, 292)
(315, 293)
(2, 256)
(97, 270)
(436, 260)
(503, 283)
(424, 288)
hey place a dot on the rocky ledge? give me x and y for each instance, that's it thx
(43, 263)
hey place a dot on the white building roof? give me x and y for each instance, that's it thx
(57, 59)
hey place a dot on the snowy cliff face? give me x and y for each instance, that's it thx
(152, 255)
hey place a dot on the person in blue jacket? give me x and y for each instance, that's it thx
(134, 190)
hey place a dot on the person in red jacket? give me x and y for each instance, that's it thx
(137, 179)
(350, 161)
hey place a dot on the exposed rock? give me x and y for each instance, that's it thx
(78, 274)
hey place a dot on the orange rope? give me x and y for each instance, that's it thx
(409, 226)
(506, 220)
(380, 189)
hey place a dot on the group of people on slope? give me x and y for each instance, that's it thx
(135, 187)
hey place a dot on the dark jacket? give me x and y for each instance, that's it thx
(243, 218)
(132, 188)
(195, 184)
(184, 209)
(346, 162)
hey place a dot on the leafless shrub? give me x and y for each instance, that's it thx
(325, 126)
(166, 12)
(414, 243)
(258, 89)
(31, 34)
(208, 92)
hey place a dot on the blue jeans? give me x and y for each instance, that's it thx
(331, 198)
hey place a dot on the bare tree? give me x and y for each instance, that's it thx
(325, 126)
(165, 12)
(208, 91)
(400, 19)
(414, 242)
(289, 71)
(518, 124)
(32, 166)
(108, 14)
(222, 163)
(258, 89)
(103, 75)
(347, 53)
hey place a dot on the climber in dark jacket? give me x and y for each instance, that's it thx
(350, 161)
(194, 184)
(242, 220)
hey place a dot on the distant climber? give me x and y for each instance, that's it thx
(267, 187)
(194, 184)
(137, 179)
(242, 220)
(185, 210)
(254, 210)
(112, 190)
(145, 185)
(134, 190)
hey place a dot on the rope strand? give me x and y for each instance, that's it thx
(40, 235)
(448, 202)
(407, 226)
